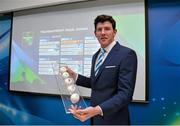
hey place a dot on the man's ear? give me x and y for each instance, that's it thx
(95, 32)
(115, 31)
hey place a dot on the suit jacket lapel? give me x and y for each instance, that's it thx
(93, 63)
(108, 59)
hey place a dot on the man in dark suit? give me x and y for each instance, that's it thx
(112, 80)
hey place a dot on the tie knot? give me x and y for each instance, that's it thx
(103, 50)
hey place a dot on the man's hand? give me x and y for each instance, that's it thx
(84, 114)
(71, 73)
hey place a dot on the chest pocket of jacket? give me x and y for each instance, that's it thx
(110, 73)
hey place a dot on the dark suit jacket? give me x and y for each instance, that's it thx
(113, 86)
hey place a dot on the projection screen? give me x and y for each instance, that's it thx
(64, 34)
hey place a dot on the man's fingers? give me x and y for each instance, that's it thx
(75, 117)
(81, 117)
(81, 111)
(78, 113)
(74, 107)
(71, 111)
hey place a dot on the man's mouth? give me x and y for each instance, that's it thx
(103, 38)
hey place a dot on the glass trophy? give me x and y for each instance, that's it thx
(68, 90)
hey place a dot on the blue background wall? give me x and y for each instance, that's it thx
(164, 77)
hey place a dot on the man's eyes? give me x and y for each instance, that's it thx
(105, 29)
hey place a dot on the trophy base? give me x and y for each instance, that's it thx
(67, 103)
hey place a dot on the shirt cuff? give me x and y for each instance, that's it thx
(101, 112)
(76, 77)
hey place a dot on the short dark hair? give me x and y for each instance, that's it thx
(102, 18)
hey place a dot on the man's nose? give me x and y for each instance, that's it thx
(103, 31)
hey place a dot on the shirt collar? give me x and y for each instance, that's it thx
(110, 46)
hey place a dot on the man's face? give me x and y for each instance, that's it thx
(105, 33)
